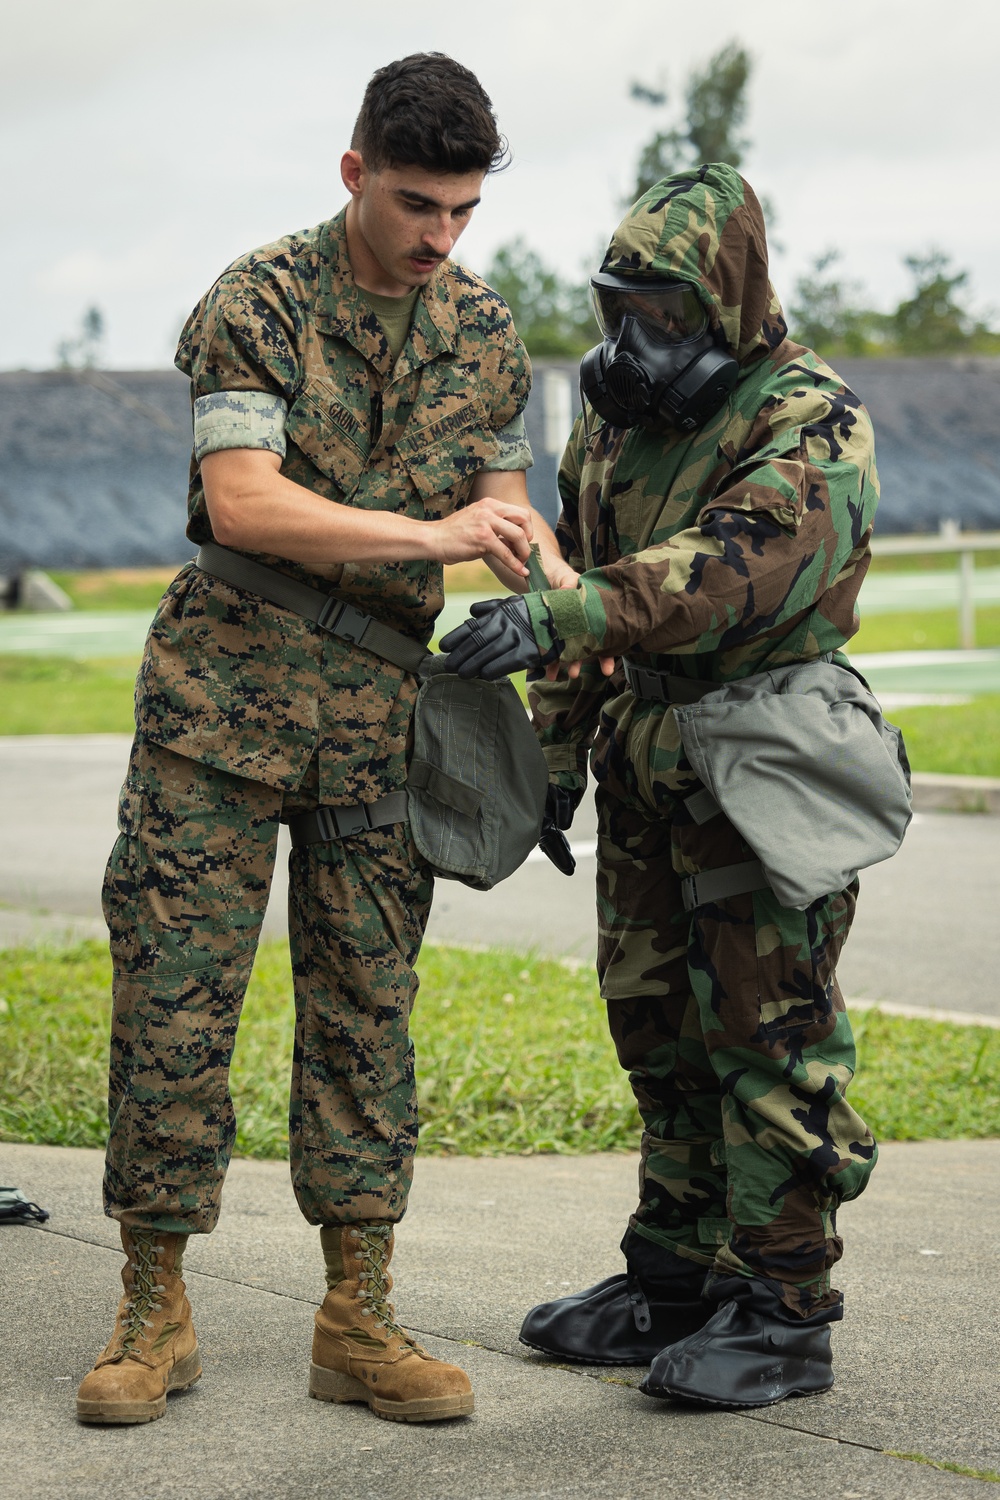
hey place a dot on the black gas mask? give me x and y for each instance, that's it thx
(659, 365)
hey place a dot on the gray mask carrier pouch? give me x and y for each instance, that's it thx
(802, 762)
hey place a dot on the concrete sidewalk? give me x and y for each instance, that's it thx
(916, 1356)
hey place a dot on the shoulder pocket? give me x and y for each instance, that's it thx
(329, 434)
(448, 450)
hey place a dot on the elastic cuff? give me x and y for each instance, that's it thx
(569, 758)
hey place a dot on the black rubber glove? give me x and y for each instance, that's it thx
(496, 641)
(560, 805)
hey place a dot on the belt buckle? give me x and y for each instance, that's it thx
(351, 820)
(330, 614)
(689, 892)
(351, 624)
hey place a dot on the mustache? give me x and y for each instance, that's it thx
(422, 255)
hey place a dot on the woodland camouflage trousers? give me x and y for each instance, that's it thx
(184, 897)
(739, 1051)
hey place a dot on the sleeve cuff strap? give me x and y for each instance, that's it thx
(569, 613)
(566, 757)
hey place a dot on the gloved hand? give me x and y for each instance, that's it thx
(560, 805)
(496, 641)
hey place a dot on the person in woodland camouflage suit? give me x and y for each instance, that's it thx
(357, 423)
(707, 551)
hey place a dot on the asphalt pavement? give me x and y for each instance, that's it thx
(926, 935)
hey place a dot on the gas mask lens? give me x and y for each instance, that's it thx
(669, 311)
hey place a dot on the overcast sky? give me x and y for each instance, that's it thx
(147, 143)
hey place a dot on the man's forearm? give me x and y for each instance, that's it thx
(252, 506)
(260, 510)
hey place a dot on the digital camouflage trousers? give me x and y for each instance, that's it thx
(184, 897)
(733, 1030)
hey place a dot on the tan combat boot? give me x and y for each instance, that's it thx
(360, 1353)
(153, 1349)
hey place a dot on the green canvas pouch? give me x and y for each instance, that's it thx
(477, 778)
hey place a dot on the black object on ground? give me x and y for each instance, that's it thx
(15, 1208)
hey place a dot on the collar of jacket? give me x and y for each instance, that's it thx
(342, 311)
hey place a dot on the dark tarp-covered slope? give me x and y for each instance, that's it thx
(93, 465)
(93, 469)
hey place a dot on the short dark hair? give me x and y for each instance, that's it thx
(428, 111)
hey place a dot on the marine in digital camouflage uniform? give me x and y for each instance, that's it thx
(709, 556)
(352, 363)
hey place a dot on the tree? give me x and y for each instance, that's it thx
(828, 314)
(553, 316)
(83, 352)
(933, 321)
(715, 108)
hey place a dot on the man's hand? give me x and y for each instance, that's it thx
(489, 528)
(497, 640)
(572, 668)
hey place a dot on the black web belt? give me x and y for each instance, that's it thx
(729, 880)
(328, 611)
(327, 824)
(664, 687)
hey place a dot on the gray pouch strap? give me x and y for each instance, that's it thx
(327, 825)
(423, 776)
(665, 687)
(702, 806)
(717, 885)
(327, 611)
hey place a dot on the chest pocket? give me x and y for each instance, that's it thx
(448, 451)
(329, 434)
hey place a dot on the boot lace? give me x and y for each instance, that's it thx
(136, 1309)
(373, 1292)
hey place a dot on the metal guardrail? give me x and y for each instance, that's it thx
(950, 538)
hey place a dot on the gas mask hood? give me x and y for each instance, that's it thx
(659, 364)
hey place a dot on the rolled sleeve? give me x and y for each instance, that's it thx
(515, 450)
(239, 419)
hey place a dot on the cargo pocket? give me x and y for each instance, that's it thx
(120, 892)
(797, 954)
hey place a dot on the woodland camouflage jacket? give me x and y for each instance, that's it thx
(233, 681)
(717, 554)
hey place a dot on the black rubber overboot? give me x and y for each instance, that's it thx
(753, 1351)
(627, 1319)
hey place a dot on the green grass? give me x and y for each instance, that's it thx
(929, 562)
(116, 588)
(932, 630)
(990, 1476)
(56, 695)
(60, 695)
(513, 1057)
(959, 741)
